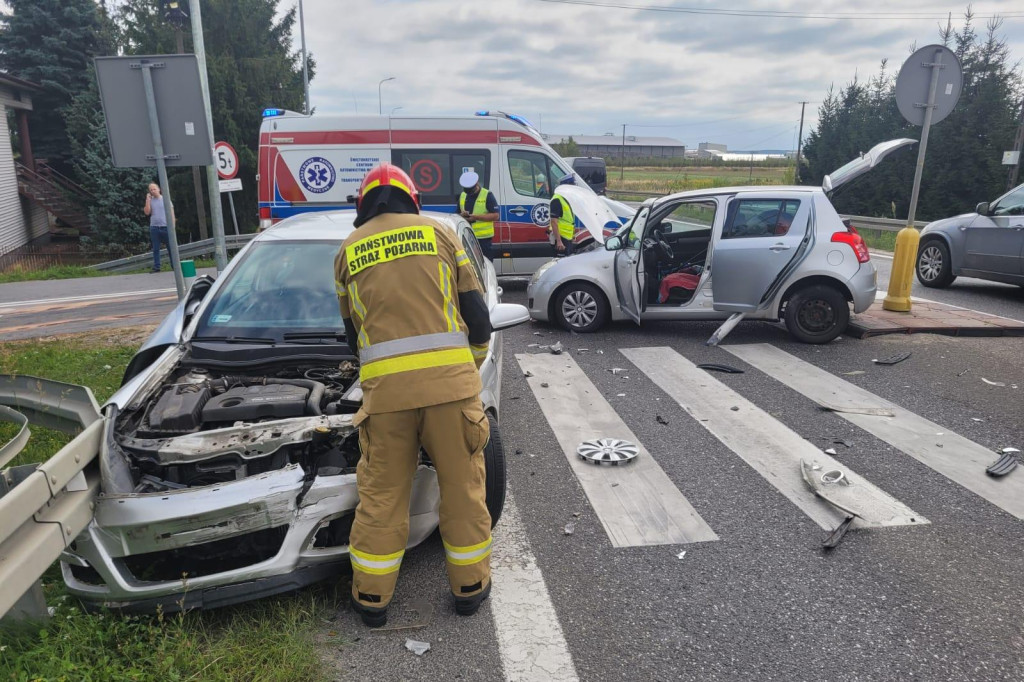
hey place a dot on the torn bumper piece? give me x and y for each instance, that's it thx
(224, 543)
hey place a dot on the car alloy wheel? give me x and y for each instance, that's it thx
(929, 263)
(579, 308)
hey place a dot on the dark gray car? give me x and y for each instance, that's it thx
(987, 244)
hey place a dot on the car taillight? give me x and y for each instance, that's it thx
(856, 242)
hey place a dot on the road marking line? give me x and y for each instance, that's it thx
(876, 254)
(770, 447)
(90, 297)
(950, 454)
(637, 502)
(530, 638)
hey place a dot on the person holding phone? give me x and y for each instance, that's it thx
(154, 208)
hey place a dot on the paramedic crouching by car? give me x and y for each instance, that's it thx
(482, 210)
(415, 316)
(563, 222)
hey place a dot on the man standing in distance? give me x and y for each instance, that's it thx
(154, 208)
(415, 316)
(484, 210)
(563, 223)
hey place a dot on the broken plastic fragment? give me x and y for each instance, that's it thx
(853, 373)
(417, 647)
(527, 374)
(544, 385)
(661, 420)
(556, 349)
(830, 451)
(892, 359)
(681, 554)
(570, 528)
(993, 383)
(616, 370)
(620, 395)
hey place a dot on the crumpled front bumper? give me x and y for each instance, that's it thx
(123, 558)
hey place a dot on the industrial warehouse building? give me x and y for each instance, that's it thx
(610, 145)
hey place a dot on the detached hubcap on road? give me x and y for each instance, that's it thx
(579, 308)
(930, 263)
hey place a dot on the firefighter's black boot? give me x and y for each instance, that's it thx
(467, 606)
(372, 617)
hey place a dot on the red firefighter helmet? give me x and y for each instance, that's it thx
(387, 174)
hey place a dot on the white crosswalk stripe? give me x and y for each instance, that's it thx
(955, 457)
(637, 503)
(766, 444)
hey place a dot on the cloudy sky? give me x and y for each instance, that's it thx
(588, 66)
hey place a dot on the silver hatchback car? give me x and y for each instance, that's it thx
(774, 253)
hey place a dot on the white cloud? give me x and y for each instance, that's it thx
(581, 69)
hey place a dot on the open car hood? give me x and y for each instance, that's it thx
(863, 164)
(591, 209)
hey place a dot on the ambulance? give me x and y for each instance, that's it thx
(316, 163)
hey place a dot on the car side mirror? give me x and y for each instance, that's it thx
(982, 208)
(505, 315)
(613, 243)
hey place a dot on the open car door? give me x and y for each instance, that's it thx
(629, 267)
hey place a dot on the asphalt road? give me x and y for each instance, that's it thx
(939, 599)
(933, 601)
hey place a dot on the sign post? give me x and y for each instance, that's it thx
(154, 117)
(227, 169)
(920, 75)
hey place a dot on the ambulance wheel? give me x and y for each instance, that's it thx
(580, 307)
(494, 464)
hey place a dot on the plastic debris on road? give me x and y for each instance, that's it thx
(557, 349)
(993, 383)
(830, 451)
(892, 359)
(715, 367)
(1008, 461)
(570, 528)
(417, 647)
(681, 554)
(661, 420)
(544, 385)
(527, 374)
(616, 370)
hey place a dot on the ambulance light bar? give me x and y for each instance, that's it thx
(267, 113)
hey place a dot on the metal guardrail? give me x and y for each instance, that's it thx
(190, 250)
(883, 224)
(43, 507)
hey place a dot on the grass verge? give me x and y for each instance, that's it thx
(76, 271)
(271, 639)
(879, 240)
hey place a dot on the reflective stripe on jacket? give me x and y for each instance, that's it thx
(482, 230)
(567, 222)
(401, 275)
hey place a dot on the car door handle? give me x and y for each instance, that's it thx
(779, 247)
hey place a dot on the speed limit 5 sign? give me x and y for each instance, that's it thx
(226, 159)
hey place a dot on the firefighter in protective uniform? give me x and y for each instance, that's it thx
(415, 315)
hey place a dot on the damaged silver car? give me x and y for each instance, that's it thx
(228, 459)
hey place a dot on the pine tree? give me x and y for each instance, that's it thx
(51, 43)
(962, 166)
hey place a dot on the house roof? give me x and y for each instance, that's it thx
(13, 81)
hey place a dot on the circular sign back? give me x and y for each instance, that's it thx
(226, 159)
(915, 78)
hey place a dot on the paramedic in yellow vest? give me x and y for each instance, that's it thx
(563, 222)
(415, 316)
(479, 206)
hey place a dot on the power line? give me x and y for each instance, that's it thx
(781, 14)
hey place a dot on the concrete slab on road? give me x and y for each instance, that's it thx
(931, 317)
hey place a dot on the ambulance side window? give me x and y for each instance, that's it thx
(533, 173)
(436, 171)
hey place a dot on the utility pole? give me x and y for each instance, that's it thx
(212, 181)
(799, 144)
(622, 168)
(197, 184)
(305, 70)
(1018, 145)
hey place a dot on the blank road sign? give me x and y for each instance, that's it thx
(915, 79)
(179, 103)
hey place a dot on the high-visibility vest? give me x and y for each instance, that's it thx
(566, 223)
(482, 230)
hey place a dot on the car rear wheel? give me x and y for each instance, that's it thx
(494, 464)
(934, 266)
(580, 307)
(817, 314)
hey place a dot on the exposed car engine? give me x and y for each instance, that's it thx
(201, 427)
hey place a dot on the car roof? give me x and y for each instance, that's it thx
(334, 224)
(718, 191)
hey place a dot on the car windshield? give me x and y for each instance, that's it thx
(279, 288)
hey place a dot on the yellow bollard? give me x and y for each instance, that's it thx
(903, 261)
